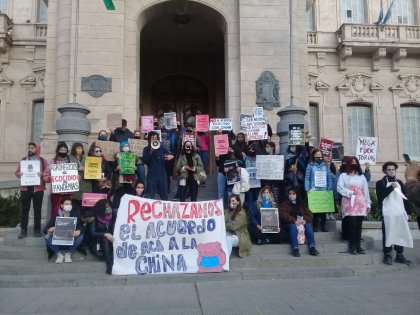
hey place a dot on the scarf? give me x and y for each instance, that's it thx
(104, 219)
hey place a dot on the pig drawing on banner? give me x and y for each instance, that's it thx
(161, 237)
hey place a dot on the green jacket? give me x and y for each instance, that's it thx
(182, 161)
(239, 226)
(85, 185)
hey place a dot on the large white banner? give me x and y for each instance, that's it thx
(161, 237)
(270, 167)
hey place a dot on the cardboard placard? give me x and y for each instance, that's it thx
(90, 199)
(114, 120)
(296, 134)
(326, 147)
(146, 124)
(221, 144)
(170, 120)
(270, 167)
(321, 201)
(64, 177)
(137, 146)
(221, 124)
(258, 112)
(202, 123)
(109, 149)
(253, 181)
(93, 167)
(30, 170)
(366, 150)
(257, 129)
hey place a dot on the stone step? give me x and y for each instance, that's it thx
(28, 267)
(249, 274)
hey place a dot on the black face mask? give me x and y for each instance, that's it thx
(318, 159)
(62, 154)
(178, 126)
(353, 167)
(240, 140)
(188, 149)
(189, 130)
(137, 137)
(251, 153)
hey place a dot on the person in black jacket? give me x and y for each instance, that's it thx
(101, 231)
(122, 133)
(66, 210)
(392, 207)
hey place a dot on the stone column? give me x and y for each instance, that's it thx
(289, 115)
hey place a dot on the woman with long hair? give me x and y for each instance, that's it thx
(355, 201)
(236, 227)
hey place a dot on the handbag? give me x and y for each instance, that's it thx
(202, 176)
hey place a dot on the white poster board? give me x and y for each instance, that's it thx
(30, 170)
(270, 167)
(366, 150)
(64, 177)
(221, 124)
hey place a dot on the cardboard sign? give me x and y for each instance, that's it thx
(321, 201)
(269, 220)
(296, 134)
(221, 144)
(270, 167)
(202, 123)
(326, 147)
(162, 237)
(93, 167)
(64, 177)
(253, 181)
(109, 149)
(127, 162)
(114, 120)
(188, 137)
(90, 199)
(258, 112)
(233, 175)
(366, 150)
(146, 124)
(244, 121)
(30, 170)
(170, 120)
(137, 146)
(257, 129)
(221, 124)
(64, 231)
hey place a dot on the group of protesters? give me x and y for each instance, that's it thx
(167, 157)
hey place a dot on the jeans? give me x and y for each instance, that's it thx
(141, 173)
(204, 156)
(293, 233)
(251, 197)
(25, 202)
(221, 186)
(56, 248)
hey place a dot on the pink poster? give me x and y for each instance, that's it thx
(90, 199)
(202, 123)
(146, 123)
(326, 147)
(221, 144)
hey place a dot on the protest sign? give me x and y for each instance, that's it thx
(109, 149)
(159, 133)
(321, 201)
(30, 170)
(64, 231)
(258, 112)
(64, 177)
(244, 120)
(188, 137)
(269, 220)
(296, 134)
(221, 144)
(253, 181)
(114, 120)
(326, 147)
(270, 167)
(90, 199)
(257, 129)
(202, 123)
(170, 120)
(366, 150)
(146, 124)
(137, 146)
(127, 163)
(161, 237)
(220, 124)
(233, 175)
(93, 167)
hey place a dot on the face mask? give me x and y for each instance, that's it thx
(391, 173)
(269, 150)
(251, 153)
(103, 137)
(139, 191)
(187, 148)
(266, 197)
(292, 198)
(126, 149)
(178, 126)
(67, 208)
(318, 159)
(353, 167)
(232, 206)
(292, 149)
(189, 130)
(108, 210)
(241, 139)
(137, 137)
(62, 154)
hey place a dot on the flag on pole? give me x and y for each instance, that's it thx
(109, 5)
(381, 15)
(388, 13)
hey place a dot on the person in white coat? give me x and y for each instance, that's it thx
(395, 215)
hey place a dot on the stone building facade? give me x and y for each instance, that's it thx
(353, 77)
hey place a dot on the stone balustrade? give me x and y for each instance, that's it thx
(312, 38)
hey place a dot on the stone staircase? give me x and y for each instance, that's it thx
(23, 263)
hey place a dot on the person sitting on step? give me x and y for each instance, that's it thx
(66, 210)
(295, 212)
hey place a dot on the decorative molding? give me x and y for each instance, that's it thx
(30, 54)
(316, 85)
(396, 57)
(320, 57)
(5, 81)
(343, 53)
(359, 85)
(409, 85)
(28, 81)
(377, 55)
(267, 90)
(40, 74)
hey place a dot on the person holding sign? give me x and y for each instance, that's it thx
(31, 192)
(77, 155)
(126, 167)
(355, 201)
(396, 211)
(236, 227)
(121, 133)
(265, 200)
(295, 213)
(318, 177)
(189, 166)
(65, 210)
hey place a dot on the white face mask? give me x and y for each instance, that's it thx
(292, 149)
(292, 198)
(67, 208)
(232, 206)
(391, 173)
(126, 149)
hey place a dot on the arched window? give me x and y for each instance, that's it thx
(359, 123)
(410, 125)
(314, 123)
(42, 11)
(353, 11)
(403, 12)
(310, 19)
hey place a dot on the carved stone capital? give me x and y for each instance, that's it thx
(396, 57)
(376, 58)
(343, 53)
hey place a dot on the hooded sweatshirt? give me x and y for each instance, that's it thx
(44, 166)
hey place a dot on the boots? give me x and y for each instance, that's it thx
(387, 259)
(401, 259)
(352, 249)
(23, 234)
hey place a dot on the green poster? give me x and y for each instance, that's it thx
(127, 163)
(321, 201)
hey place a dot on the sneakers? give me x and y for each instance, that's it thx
(313, 251)
(360, 250)
(263, 241)
(60, 258)
(67, 257)
(37, 233)
(295, 252)
(352, 250)
(387, 259)
(23, 234)
(402, 260)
